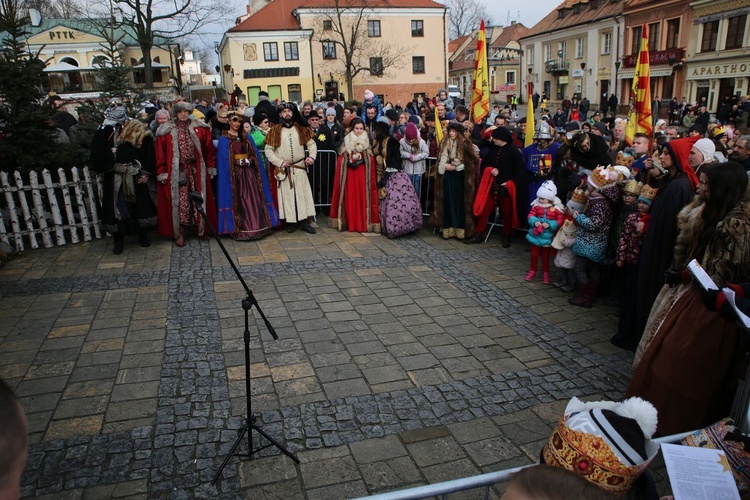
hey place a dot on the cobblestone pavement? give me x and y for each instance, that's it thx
(399, 363)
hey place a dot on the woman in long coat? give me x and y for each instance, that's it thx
(354, 203)
(694, 358)
(245, 208)
(185, 162)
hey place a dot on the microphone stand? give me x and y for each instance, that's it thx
(247, 303)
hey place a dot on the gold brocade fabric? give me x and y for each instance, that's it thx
(589, 456)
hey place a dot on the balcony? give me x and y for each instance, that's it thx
(557, 66)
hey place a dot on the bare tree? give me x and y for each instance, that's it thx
(62, 9)
(360, 53)
(158, 22)
(465, 16)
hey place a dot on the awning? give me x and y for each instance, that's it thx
(654, 72)
(154, 65)
(63, 67)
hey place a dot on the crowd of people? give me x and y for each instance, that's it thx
(613, 217)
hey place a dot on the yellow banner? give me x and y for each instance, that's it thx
(480, 97)
(529, 140)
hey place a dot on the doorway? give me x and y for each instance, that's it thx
(604, 95)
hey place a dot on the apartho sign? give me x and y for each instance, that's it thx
(732, 69)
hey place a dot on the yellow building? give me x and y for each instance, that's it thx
(73, 49)
(288, 50)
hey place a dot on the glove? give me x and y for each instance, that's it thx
(711, 298)
(672, 277)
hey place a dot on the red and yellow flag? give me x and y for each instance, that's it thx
(639, 116)
(480, 97)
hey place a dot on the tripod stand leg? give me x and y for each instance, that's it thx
(241, 433)
(278, 445)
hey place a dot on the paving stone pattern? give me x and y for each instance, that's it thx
(399, 363)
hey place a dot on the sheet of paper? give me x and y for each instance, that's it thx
(701, 275)
(699, 473)
(729, 293)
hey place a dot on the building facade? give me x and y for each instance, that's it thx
(287, 50)
(573, 51)
(668, 23)
(73, 50)
(718, 63)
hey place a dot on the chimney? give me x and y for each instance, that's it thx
(512, 23)
(36, 17)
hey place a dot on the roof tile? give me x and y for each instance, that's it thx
(553, 22)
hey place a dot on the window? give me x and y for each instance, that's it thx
(607, 43)
(673, 33)
(653, 37)
(579, 48)
(510, 77)
(547, 53)
(327, 25)
(373, 29)
(417, 64)
(295, 92)
(291, 51)
(417, 28)
(270, 51)
(637, 32)
(329, 49)
(376, 66)
(710, 31)
(530, 56)
(736, 32)
(562, 50)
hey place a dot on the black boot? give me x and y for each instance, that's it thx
(306, 227)
(143, 238)
(118, 239)
(506, 241)
(478, 238)
(291, 227)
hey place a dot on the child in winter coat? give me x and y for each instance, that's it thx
(633, 231)
(414, 152)
(594, 225)
(565, 259)
(546, 215)
(371, 101)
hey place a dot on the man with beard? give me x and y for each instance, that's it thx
(285, 150)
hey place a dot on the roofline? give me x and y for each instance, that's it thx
(613, 17)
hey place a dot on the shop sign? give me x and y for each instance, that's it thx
(655, 58)
(733, 69)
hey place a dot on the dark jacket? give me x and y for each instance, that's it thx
(265, 106)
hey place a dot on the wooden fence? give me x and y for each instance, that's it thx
(50, 210)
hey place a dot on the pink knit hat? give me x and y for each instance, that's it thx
(411, 132)
(368, 94)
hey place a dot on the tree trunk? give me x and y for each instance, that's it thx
(148, 73)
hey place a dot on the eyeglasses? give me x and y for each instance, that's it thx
(235, 119)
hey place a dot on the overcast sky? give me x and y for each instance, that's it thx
(527, 12)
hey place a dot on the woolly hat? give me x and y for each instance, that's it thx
(601, 127)
(368, 94)
(503, 134)
(647, 194)
(392, 114)
(262, 93)
(602, 177)
(632, 186)
(383, 119)
(547, 190)
(458, 127)
(607, 443)
(411, 132)
(198, 115)
(330, 111)
(706, 147)
(258, 119)
(182, 106)
(578, 201)
(660, 122)
(572, 126)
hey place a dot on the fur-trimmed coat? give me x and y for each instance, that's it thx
(469, 159)
(689, 359)
(367, 174)
(168, 168)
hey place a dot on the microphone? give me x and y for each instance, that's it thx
(196, 197)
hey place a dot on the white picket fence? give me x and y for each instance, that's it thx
(44, 217)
